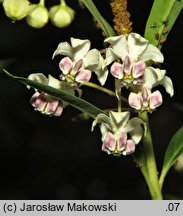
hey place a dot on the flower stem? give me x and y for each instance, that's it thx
(118, 94)
(100, 88)
(153, 185)
(42, 2)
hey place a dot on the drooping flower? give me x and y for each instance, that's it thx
(80, 61)
(120, 134)
(145, 100)
(45, 103)
(130, 54)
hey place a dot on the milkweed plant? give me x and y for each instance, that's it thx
(129, 59)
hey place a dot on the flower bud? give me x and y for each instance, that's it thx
(61, 15)
(16, 9)
(38, 16)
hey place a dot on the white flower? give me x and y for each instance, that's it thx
(45, 103)
(133, 51)
(80, 61)
(120, 134)
(145, 100)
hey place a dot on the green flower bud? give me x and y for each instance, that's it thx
(16, 9)
(61, 15)
(38, 16)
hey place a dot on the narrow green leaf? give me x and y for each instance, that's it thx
(5, 62)
(108, 30)
(161, 20)
(74, 101)
(175, 148)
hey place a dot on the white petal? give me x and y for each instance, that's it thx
(150, 77)
(118, 120)
(167, 83)
(110, 57)
(152, 53)
(119, 45)
(92, 59)
(54, 82)
(133, 124)
(109, 142)
(101, 118)
(136, 44)
(130, 147)
(65, 49)
(137, 134)
(38, 77)
(134, 101)
(80, 48)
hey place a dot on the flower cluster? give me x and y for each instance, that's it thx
(129, 59)
(37, 15)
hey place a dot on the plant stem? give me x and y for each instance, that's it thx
(154, 187)
(100, 88)
(42, 2)
(118, 94)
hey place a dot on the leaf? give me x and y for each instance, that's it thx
(175, 148)
(5, 62)
(108, 30)
(161, 20)
(74, 101)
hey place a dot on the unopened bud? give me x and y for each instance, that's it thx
(38, 16)
(61, 15)
(16, 9)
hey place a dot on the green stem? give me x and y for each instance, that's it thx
(42, 2)
(62, 2)
(154, 187)
(118, 93)
(100, 88)
(162, 178)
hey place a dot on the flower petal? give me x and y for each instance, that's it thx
(122, 142)
(91, 59)
(138, 69)
(150, 77)
(109, 142)
(167, 83)
(130, 147)
(119, 45)
(38, 77)
(38, 101)
(65, 65)
(137, 133)
(117, 70)
(118, 120)
(152, 53)
(77, 67)
(80, 48)
(110, 57)
(136, 44)
(65, 49)
(55, 83)
(155, 100)
(134, 101)
(127, 65)
(83, 76)
(51, 107)
(58, 110)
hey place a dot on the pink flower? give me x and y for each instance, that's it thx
(145, 101)
(119, 146)
(46, 104)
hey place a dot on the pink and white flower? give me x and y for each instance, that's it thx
(130, 54)
(80, 61)
(45, 103)
(145, 100)
(120, 134)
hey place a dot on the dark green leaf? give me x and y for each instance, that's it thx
(74, 101)
(108, 30)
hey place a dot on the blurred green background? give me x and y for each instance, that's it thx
(54, 158)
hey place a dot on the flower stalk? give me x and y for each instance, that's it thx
(154, 186)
